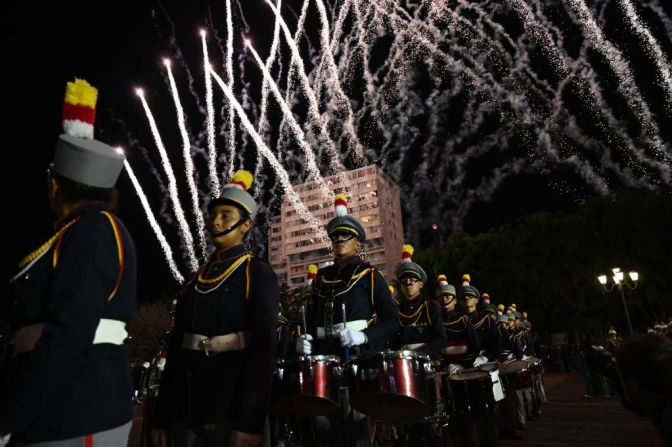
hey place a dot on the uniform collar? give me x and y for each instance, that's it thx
(226, 253)
(88, 208)
(414, 304)
(345, 263)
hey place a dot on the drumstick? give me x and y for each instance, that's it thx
(346, 349)
(303, 318)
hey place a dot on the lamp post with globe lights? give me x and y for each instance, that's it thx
(620, 282)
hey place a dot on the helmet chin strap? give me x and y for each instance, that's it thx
(228, 230)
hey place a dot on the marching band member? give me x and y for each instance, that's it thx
(68, 382)
(461, 349)
(421, 318)
(217, 381)
(352, 284)
(488, 337)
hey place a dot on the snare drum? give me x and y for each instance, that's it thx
(306, 386)
(469, 394)
(393, 386)
(517, 374)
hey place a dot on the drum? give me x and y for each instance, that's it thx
(393, 386)
(516, 374)
(306, 386)
(469, 394)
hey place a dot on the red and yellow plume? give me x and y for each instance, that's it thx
(500, 308)
(486, 297)
(441, 279)
(79, 109)
(513, 306)
(524, 316)
(466, 279)
(312, 272)
(243, 179)
(407, 252)
(341, 205)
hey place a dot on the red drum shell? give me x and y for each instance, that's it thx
(393, 386)
(306, 386)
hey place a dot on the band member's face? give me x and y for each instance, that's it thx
(448, 302)
(345, 244)
(469, 303)
(223, 217)
(411, 287)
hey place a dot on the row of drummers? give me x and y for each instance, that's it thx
(456, 368)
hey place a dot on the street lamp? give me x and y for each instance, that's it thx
(620, 282)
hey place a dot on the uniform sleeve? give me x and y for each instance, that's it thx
(387, 320)
(259, 357)
(438, 331)
(84, 277)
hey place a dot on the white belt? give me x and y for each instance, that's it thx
(454, 349)
(413, 346)
(108, 331)
(235, 341)
(355, 325)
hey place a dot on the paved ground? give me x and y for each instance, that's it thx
(571, 419)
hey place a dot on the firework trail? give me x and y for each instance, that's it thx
(172, 185)
(165, 247)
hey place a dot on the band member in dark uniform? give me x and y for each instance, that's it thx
(421, 318)
(354, 282)
(217, 381)
(421, 329)
(511, 349)
(488, 337)
(461, 349)
(68, 381)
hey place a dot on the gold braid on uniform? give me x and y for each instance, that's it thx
(209, 283)
(447, 326)
(46, 246)
(415, 315)
(480, 322)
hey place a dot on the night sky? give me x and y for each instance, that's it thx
(117, 47)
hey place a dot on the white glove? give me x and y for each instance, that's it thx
(478, 361)
(4, 440)
(350, 337)
(303, 345)
(454, 368)
(525, 357)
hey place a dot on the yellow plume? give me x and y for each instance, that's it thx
(312, 268)
(466, 277)
(408, 248)
(442, 278)
(341, 196)
(82, 93)
(244, 177)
